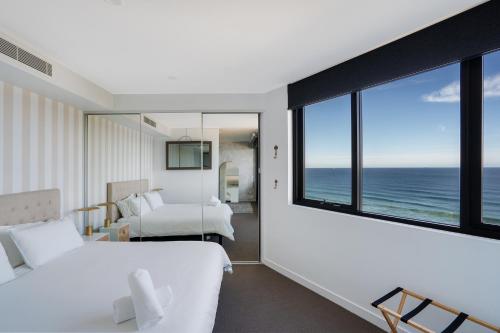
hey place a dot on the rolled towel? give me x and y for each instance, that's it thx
(123, 308)
(147, 306)
(214, 201)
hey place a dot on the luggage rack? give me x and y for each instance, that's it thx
(407, 318)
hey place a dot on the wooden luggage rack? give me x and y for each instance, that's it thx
(407, 318)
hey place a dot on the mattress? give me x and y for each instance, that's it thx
(181, 220)
(75, 292)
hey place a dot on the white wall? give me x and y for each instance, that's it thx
(353, 260)
(41, 145)
(185, 186)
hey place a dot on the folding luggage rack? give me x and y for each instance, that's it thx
(407, 318)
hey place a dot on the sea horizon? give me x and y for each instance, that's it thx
(420, 193)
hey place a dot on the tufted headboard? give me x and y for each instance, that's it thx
(121, 190)
(26, 207)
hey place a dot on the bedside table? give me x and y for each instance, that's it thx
(96, 236)
(118, 232)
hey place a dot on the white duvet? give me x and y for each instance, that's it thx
(181, 220)
(76, 291)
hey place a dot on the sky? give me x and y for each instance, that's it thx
(412, 122)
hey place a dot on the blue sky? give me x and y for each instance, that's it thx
(413, 122)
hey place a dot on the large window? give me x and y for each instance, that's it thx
(423, 129)
(327, 151)
(491, 138)
(421, 150)
(411, 147)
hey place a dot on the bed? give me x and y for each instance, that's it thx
(75, 291)
(181, 220)
(171, 220)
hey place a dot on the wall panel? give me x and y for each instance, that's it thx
(40, 145)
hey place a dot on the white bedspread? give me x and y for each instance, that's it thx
(181, 220)
(76, 291)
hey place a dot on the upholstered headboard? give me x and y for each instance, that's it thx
(121, 190)
(26, 207)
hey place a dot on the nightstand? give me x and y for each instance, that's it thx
(96, 236)
(118, 232)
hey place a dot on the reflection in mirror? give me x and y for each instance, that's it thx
(186, 155)
(174, 196)
(230, 189)
(113, 175)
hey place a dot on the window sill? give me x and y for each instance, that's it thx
(483, 231)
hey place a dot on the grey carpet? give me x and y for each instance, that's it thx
(246, 235)
(258, 299)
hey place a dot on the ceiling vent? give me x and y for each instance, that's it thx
(150, 122)
(25, 57)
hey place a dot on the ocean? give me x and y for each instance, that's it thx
(428, 194)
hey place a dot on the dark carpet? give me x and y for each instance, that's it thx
(246, 235)
(257, 299)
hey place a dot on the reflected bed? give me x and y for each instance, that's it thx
(182, 220)
(170, 220)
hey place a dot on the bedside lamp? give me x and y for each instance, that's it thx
(89, 230)
(107, 220)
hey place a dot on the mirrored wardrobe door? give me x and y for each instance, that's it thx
(171, 165)
(230, 186)
(113, 176)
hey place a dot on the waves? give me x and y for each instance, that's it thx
(428, 194)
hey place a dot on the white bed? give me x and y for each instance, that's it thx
(181, 220)
(171, 219)
(76, 291)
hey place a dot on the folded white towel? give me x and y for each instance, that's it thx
(123, 308)
(214, 201)
(147, 307)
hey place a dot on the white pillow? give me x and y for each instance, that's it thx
(154, 199)
(124, 206)
(6, 271)
(15, 257)
(139, 206)
(40, 244)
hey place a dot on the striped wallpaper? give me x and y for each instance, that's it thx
(114, 155)
(41, 145)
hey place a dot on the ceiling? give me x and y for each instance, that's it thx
(217, 46)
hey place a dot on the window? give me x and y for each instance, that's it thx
(491, 139)
(423, 131)
(416, 150)
(411, 147)
(327, 151)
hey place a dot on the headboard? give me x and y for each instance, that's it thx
(121, 190)
(26, 207)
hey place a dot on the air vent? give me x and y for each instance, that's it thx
(150, 122)
(8, 48)
(25, 57)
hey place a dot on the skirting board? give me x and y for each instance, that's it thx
(357, 309)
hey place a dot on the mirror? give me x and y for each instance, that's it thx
(186, 155)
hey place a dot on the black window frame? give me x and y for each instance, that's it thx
(464, 38)
(471, 168)
(323, 203)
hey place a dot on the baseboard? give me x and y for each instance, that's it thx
(357, 309)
